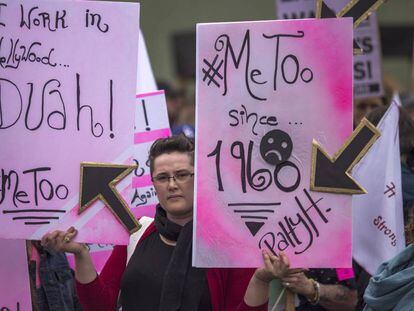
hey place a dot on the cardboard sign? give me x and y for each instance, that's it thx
(14, 276)
(367, 66)
(67, 96)
(151, 123)
(265, 90)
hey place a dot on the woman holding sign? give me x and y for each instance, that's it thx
(154, 272)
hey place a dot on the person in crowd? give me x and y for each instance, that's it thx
(406, 138)
(175, 102)
(157, 273)
(392, 287)
(180, 112)
(363, 106)
(52, 283)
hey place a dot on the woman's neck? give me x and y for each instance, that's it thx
(181, 220)
(167, 241)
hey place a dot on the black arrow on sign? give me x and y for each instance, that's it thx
(332, 174)
(359, 10)
(98, 181)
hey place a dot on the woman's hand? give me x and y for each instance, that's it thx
(274, 267)
(300, 284)
(61, 241)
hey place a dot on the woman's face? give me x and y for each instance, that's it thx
(174, 194)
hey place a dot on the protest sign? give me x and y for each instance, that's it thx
(265, 90)
(14, 276)
(151, 123)
(68, 79)
(367, 66)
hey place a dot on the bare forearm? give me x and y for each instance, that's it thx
(85, 271)
(337, 297)
(257, 292)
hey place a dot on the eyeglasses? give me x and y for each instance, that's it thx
(179, 177)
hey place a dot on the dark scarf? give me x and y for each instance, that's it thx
(183, 285)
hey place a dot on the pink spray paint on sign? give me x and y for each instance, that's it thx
(264, 90)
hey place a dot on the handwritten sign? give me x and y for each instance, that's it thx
(14, 276)
(68, 79)
(265, 90)
(151, 123)
(367, 66)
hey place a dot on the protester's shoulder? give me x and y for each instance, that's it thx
(146, 225)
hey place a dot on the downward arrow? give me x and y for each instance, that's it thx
(98, 182)
(332, 174)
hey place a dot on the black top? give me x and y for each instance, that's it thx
(142, 280)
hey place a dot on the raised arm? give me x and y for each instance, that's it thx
(96, 292)
(61, 241)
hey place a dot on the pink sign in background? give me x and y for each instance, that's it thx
(151, 123)
(14, 276)
(367, 66)
(67, 96)
(265, 90)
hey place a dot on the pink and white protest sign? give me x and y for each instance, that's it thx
(14, 276)
(68, 82)
(151, 123)
(265, 90)
(367, 66)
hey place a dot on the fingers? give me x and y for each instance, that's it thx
(290, 282)
(284, 259)
(56, 239)
(290, 279)
(69, 236)
(273, 258)
(267, 262)
(296, 270)
(49, 240)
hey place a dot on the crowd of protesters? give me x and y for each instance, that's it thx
(156, 273)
